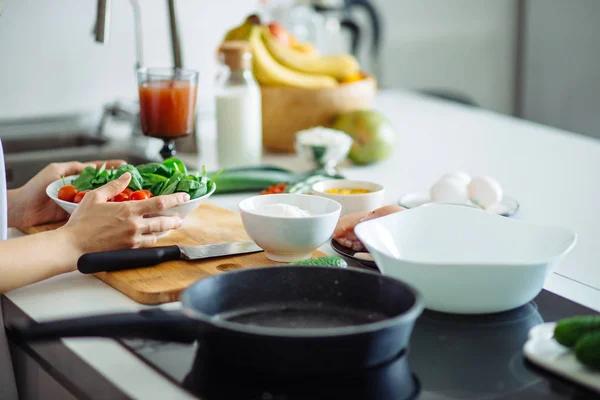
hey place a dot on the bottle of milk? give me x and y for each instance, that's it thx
(238, 108)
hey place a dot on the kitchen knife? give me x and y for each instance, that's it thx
(118, 260)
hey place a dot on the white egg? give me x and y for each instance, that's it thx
(460, 175)
(449, 190)
(484, 191)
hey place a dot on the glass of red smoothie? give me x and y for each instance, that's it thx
(167, 104)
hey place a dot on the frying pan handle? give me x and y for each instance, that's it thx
(156, 324)
(116, 260)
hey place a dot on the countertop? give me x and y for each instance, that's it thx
(552, 173)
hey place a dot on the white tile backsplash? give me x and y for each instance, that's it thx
(50, 63)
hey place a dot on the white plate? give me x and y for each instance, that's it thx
(507, 207)
(542, 350)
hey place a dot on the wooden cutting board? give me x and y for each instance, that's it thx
(208, 224)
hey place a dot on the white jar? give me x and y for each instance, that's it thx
(238, 108)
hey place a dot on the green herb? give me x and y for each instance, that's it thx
(84, 180)
(201, 191)
(152, 179)
(155, 168)
(156, 189)
(171, 185)
(216, 176)
(175, 164)
(101, 169)
(136, 182)
(187, 184)
(160, 178)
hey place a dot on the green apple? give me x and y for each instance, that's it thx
(373, 134)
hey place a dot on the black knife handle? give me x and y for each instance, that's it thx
(118, 260)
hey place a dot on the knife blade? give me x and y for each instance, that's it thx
(117, 260)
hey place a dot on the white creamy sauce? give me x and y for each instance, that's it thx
(282, 210)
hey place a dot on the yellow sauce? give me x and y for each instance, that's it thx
(347, 191)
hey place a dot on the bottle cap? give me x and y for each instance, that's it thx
(236, 54)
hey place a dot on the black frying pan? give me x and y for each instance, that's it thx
(274, 318)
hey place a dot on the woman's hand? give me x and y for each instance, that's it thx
(97, 225)
(29, 205)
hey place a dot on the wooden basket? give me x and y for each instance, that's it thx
(287, 110)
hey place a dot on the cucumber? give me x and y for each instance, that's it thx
(253, 179)
(587, 350)
(569, 330)
(260, 177)
(253, 168)
(329, 261)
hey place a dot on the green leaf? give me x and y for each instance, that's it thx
(84, 186)
(187, 185)
(171, 185)
(201, 191)
(216, 176)
(176, 165)
(101, 170)
(156, 189)
(84, 180)
(154, 168)
(136, 182)
(149, 180)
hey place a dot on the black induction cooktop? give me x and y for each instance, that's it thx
(449, 357)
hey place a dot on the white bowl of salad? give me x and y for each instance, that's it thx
(147, 180)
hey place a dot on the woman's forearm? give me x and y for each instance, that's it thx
(33, 258)
(15, 210)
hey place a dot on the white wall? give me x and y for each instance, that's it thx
(50, 63)
(464, 45)
(562, 64)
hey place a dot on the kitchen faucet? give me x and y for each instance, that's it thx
(102, 27)
(119, 110)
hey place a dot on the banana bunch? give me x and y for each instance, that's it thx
(337, 66)
(242, 32)
(271, 73)
(294, 65)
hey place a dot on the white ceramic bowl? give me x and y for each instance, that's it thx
(287, 239)
(182, 210)
(352, 202)
(465, 260)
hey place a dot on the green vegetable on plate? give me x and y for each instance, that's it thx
(582, 333)
(587, 350)
(169, 177)
(569, 330)
(328, 261)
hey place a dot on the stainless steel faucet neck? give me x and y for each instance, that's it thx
(175, 44)
(102, 28)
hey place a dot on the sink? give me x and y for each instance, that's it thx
(20, 167)
(14, 145)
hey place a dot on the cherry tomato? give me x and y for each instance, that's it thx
(79, 196)
(120, 197)
(138, 195)
(67, 193)
(149, 193)
(128, 191)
